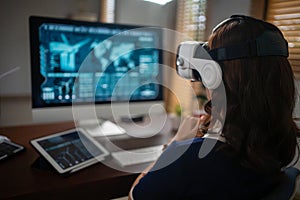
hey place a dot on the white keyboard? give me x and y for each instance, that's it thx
(138, 156)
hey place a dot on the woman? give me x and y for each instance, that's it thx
(258, 138)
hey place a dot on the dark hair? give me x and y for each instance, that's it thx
(260, 91)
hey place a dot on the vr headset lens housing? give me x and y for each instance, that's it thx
(194, 63)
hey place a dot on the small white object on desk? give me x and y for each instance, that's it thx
(105, 128)
(3, 138)
(151, 125)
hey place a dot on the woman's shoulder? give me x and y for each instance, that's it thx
(197, 150)
(202, 146)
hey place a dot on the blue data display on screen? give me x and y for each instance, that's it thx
(86, 62)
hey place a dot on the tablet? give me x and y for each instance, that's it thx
(9, 149)
(70, 150)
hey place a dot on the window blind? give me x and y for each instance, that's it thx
(285, 14)
(191, 22)
(107, 13)
(191, 18)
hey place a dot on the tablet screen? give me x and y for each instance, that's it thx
(70, 149)
(8, 149)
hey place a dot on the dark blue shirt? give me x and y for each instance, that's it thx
(180, 173)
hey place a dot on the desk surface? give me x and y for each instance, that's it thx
(21, 181)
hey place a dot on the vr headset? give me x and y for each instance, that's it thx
(196, 62)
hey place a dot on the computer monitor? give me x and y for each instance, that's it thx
(112, 68)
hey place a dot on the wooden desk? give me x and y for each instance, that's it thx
(19, 180)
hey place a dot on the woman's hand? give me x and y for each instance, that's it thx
(187, 129)
(192, 127)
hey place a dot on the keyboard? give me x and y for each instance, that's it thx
(138, 156)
